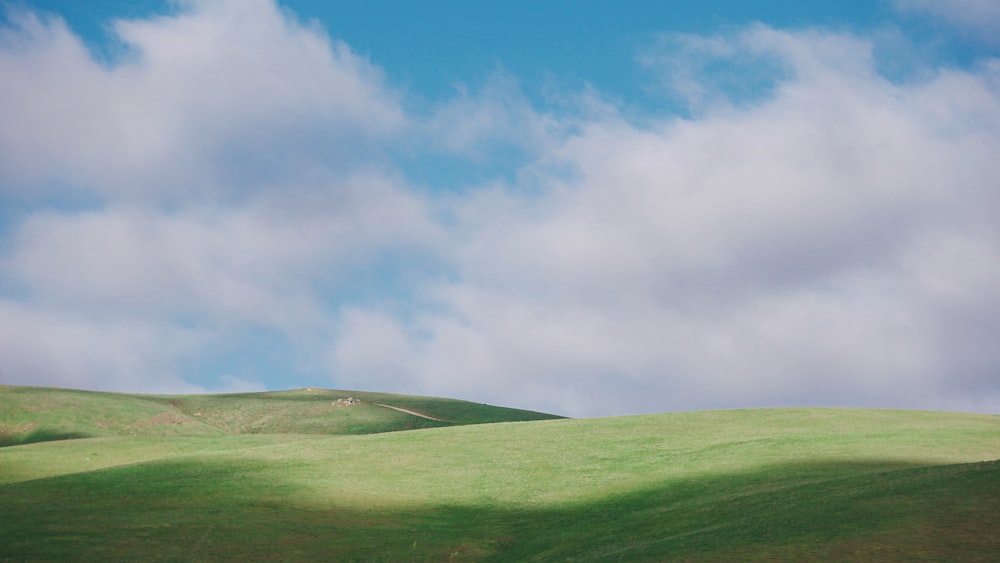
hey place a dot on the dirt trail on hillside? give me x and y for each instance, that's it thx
(414, 413)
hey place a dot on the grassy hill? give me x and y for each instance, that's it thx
(781, 484)
(37, 414)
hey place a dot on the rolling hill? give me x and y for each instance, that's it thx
(37, 414)
(768, 484)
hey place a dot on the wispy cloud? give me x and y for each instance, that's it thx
(980, 17)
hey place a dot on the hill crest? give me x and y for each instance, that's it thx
(38, 414)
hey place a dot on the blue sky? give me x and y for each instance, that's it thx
(578, 207)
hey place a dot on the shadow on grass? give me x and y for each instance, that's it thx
(220, 511)
(39, 435)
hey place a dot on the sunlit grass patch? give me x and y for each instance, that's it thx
(784, 484)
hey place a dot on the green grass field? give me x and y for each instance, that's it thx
(38, 414)
(770, 484)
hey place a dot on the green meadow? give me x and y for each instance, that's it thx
(301, 475)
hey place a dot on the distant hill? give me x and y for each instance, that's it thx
(36, 414)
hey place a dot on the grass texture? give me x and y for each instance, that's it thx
(770, 484)
(39, 414)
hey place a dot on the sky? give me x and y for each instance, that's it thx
(583, 208)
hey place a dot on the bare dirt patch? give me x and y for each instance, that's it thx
(16, 430)
(163, 419)
(414, 413)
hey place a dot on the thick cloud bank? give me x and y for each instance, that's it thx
(224, 203)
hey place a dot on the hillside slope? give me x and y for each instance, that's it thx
(783, 484)
(36, 414)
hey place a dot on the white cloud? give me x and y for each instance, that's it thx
(233, 384)
(213, 100)
(259, 263)
(277, 264)
(771, 254)
(497, 113)
(827, 236)
(710, 73)
(371, 347)
(51, 347)
(230, 163)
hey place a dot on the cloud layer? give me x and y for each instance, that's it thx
(825, 238)
(831, 244)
